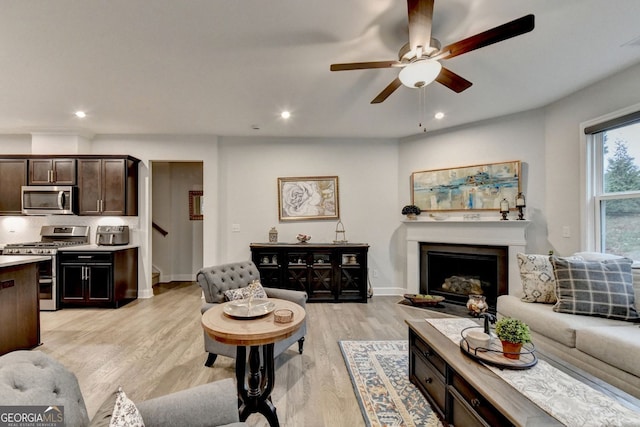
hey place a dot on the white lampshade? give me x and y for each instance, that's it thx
(420, 73)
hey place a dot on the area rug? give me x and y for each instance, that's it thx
(379, 372)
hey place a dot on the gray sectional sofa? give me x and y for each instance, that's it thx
(606, 348)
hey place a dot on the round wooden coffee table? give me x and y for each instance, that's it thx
(255, 382)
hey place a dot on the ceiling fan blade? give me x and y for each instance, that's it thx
(453, 81)
(387, 91)
(500, 33)
(365, 65)
(420, 19)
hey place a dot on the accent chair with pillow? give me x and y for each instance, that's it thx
(35, 378)
(239, 280)
(582, 309)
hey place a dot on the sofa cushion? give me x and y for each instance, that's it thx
(541, 318)
(603, 289)
(617, 346)
(537, 277)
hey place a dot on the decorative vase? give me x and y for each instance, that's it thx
(511, 350)
(412, 216)
(477, 305)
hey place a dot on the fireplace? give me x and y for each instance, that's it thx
(454, 231)
(456, 271)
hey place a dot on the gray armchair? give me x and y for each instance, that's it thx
(35, 378)
(215, 281)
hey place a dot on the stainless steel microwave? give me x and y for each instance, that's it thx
(48, 200)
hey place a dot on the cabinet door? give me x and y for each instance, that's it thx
(89, 186)
(64, 171)
(52, 171)
(13, 175)
(321, 283)
(352, 280)
(72, 282)
(40, 171)
(113, 187)
(99, 282)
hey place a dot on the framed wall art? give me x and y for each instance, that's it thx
(195, 206)
(305, 198)
(480, 187)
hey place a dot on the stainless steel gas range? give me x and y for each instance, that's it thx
(52, 238)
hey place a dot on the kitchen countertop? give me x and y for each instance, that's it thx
(12, 260)
(96, 248)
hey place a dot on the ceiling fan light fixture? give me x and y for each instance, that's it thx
(420, 73)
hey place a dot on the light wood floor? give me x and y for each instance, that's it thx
(154, 346)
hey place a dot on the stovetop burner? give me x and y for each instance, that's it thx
(53, 237)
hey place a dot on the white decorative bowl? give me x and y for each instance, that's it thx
(477, 338)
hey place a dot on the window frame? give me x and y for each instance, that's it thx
(592, 180)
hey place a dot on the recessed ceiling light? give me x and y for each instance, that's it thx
(81, 114)
(285, 114)
(439, 115)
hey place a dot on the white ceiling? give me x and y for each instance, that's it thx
(221, 66)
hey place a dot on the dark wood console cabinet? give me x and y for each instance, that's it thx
(326, 272)
(98, 278)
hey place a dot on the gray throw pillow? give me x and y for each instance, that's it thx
(592, 288)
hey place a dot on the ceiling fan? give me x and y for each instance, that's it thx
(420, 57)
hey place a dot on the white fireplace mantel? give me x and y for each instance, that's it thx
(509, 233)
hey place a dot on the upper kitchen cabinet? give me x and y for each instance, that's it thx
(55, 171)
(13, 175)
(108, 186)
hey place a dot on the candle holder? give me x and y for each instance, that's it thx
(504, 209)
(520, 204)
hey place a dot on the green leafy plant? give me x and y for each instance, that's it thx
(513, 330)
(411, 209)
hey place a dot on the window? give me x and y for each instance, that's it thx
(614, 166)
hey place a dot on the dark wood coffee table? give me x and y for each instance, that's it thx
(466, 393)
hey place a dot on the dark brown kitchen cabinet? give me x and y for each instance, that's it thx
(98, 278)
(108, 186)
(13, 175)
(19, 313)
(54, 171)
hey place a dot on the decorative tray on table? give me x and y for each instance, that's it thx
(492, 353)
(421, 300)
(248, 308)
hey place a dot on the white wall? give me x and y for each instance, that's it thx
(366, 170)
(562, 135)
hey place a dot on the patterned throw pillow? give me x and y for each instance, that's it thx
(118, 410)
(603, 289)
(537, 277)
(254, 289)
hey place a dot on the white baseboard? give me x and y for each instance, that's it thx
(389, 291)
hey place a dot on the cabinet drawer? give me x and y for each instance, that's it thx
(431, 381)
(85, 257)
(475, 402)
(426, 352)
(463, 415)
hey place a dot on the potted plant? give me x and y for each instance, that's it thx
(411, 211)
(513, 333)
